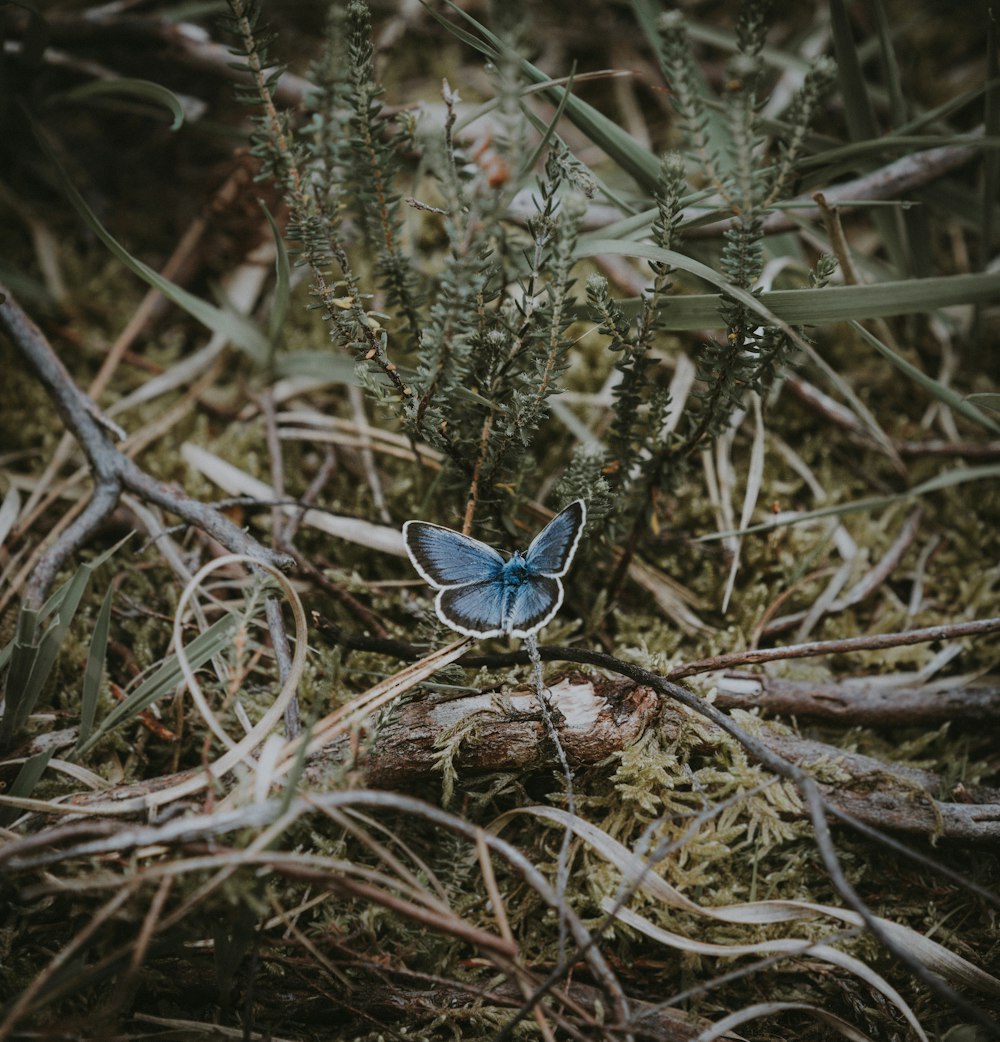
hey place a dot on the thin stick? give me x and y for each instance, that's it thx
(869, 642)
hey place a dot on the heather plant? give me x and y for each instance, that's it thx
(468, 357)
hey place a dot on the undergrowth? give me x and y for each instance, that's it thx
(458, 269)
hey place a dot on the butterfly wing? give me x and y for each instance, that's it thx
(552, 550)
(532, 604)
(476, 609)
(446, 558)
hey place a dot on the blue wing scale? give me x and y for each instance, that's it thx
(532, 604)
(447, 558)
(477, 609)
(552, 550)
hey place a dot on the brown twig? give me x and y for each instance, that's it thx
(894, 179)
(600, 717)
(848, 645)
(473, 498)
(112, 471)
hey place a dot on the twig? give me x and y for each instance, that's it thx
(318, 483)
(893, 179)
(112, 471)
(562, 869)
(869, 642)
(554, 653)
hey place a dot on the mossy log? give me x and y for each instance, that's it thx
(597, 717)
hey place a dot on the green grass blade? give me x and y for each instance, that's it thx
(23, 655)
(753, 304)
(235, 328)
(24, 782)
(817, 307)
(145, 90)
(615, 141)
(95, 668)
(54, 602)
(164, 679)
(282, 289)
(860, 116)
(928, 383)
(550, 129)
(44, 653)
(897, 101)
(991, 128)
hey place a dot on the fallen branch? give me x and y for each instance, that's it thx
(600, 717)
(113, 472)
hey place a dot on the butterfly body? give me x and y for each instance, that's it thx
(482, 595)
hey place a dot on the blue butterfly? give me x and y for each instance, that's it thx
(481, 594)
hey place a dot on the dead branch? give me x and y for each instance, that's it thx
(113, 472)
(595, 718)
(855, 702)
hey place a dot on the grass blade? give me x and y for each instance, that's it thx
(146, 90)
(282, 289)
(991, 128)
(168, 676)
(928, 383)
(753, 304)
(860, 116)
(25, 781)
(960, 476)
(817, 307)
(235, 328)
(95, 668)
(613, 139)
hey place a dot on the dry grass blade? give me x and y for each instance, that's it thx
(238, 483)
(766, 1009)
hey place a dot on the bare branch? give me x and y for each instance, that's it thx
(112, 470)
